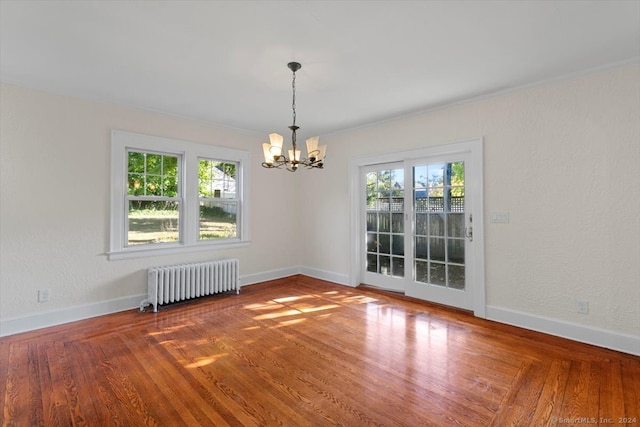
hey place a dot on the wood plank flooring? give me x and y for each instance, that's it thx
(304, 352)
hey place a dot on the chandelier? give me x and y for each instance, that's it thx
(273, 152)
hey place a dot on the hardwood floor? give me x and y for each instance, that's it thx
(303, 352)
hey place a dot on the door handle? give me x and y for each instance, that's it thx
(468, 233)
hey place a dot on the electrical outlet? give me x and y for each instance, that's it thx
(582, 307)
(43, 295)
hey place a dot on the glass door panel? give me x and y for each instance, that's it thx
(385, 224)
(438, 239)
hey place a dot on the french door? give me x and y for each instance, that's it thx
(385, 226)
(418, 223)
(441, 231)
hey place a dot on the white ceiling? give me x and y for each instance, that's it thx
(224, 62)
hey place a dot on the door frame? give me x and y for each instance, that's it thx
(475, 171)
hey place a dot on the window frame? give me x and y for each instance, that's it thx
(235, 201)
(128, 197)
(189, 154)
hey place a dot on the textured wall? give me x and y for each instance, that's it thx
(54, 207)
(562, 158)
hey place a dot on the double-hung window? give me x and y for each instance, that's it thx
(218, 199)
(153, 199)
(171, 196)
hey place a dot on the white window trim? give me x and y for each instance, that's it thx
(190, 153)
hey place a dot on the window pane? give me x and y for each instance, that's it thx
(217, 179)
(397, 223)
(372, 263)
(218, 220)
(397, 267)
(153, 222)
(436, 225)
(397, 247)
(421, 224)
(372, 242)
(372, 221)
(154, 185)
(455, 250)
(436, 249)
(372, 190)
(152, 174)
(170, 185)
(170, 166)
(420, 176)
(456, 277)
(436, 175)
(422, 271)
(437, 274)
(384, 222)
(136, 162)
(154, 164)
(455, 225)
(136, 184)
(457, 199)
(396, 177)
(384, 241)
(397, 204)
(457, 173)
(421, 247)
(385, 266)
(420, 200)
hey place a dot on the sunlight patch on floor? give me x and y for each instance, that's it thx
(358, 299)
(318, 308)
(263, 306)
(168, 330)
(293, 298)
(324, 316)
(204, 361)
(277, 314)
(290, 322)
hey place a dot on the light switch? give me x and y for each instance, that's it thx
(499, 217)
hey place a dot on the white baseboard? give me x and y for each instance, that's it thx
(46, 319)
(587, 334)
(329, 276)
(252, 279)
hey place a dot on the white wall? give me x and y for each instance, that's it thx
(54, 207)
(564, 160)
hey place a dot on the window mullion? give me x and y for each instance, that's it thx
(190, 195)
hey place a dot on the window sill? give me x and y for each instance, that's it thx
(132, 253)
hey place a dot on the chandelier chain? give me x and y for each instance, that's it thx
(293, 104)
